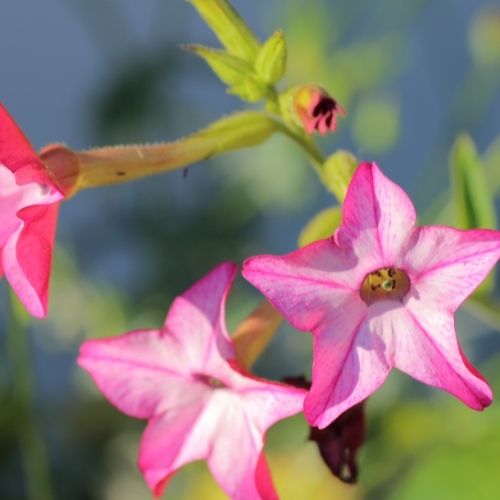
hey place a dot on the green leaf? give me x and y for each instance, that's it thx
(321, 226)
(474, 204)
(271, 59)
(228, 26)
(471, 193)
(232, 70)
(338, 171)
(491, 161)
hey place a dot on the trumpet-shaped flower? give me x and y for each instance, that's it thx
(380, 294)
(317, 111)
(200, 404)
(29, 203)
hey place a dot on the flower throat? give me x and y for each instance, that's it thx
(387, 283)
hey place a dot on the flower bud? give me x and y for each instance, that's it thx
(271, 59)
(316, 110)
(340, 441)
(228, 26)
(338, 170)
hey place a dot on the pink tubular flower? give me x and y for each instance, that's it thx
(381, 293)
(29, 202)
(316, 109)
(200, 404)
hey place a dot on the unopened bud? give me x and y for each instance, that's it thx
(229, 27)
(338, 170)
(340, 441)
(271, 59)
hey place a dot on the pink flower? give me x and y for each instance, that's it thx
(381, 293)
(29, 201)
(316, 109)
(200, 404)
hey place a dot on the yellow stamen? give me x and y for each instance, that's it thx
(387, 283)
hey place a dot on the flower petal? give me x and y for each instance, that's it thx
(445, 265)
(27, 257)
(377, 218)
(141, 373)
(165, 437)
(14, 197)
(15, 150)
(269, 402)
(236, 459)
(196, 318)
(218, 430)
(351, 360)
(428, 351)
(306, 284)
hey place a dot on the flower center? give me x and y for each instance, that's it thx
(387, 283)
(212, 382)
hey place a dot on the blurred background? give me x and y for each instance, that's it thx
(411, 75)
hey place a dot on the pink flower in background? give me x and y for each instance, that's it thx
(200, 404)
(381, 293)
(29, 202)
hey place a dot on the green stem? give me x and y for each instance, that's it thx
(33, 450)
(306, 142)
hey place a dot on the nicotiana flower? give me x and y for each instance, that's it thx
(200, 404)
(29, 203)
(316, 109)
(380, 293)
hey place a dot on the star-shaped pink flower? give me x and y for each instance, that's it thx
(200, 404)
(380, 294)
(29, 202)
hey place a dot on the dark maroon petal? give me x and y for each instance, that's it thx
(340, 441)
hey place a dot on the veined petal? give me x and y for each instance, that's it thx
(27, 257)
(305, 285)
(226, 427)
(270, 402)
(219, 431)
(377, 218)
(427, 349)
(235, 459)
(141, 373)
(196, 318)
(352, 358)
(445, 265)
(166, 435)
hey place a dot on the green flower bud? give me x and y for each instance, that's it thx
(270, 64)
(338, 171)
(229, 28)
